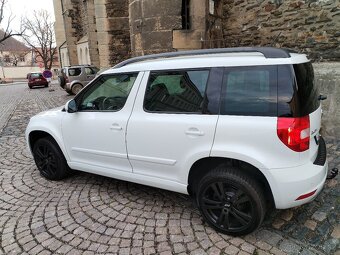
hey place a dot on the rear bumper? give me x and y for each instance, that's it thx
(288, 184)
(38, 83)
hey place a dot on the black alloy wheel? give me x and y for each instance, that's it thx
(230, 202)
(49, 159)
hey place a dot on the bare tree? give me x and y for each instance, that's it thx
(7, 32)
(39, 34)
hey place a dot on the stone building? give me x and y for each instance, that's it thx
(104, 32)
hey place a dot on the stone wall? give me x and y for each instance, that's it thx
(311, 26)
(152, 23)
(119, 30)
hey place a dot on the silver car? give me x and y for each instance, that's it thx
(74, 78)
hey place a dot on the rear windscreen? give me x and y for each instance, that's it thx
(297, 91)
(36, 75)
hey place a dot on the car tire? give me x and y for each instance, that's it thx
(46, 86)
(49, 159)
(76, 88)
(30, 87)
(62, 81)
(230, 201)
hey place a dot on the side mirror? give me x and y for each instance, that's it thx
(71, 106)
(322, 97)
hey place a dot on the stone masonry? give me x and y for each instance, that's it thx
(118, 29)
(310, 26)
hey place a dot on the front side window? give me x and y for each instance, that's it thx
(176, 91)
(89, 71)
(108, 93)
(250, 91)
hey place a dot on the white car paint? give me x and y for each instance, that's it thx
(159, 149)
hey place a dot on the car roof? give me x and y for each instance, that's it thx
(211, 58)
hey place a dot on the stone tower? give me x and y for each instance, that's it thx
(105, 32)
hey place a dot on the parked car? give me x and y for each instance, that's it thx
(236, 129)
(36, 79)
(74, 78)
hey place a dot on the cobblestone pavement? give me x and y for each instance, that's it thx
(90, 214)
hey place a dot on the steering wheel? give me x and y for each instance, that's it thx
(110, 103)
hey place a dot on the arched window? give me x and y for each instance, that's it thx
(81, 56)
(67, 62)
(87, 57)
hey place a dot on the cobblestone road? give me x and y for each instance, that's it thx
(89, 214)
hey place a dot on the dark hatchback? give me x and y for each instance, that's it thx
(36, 79)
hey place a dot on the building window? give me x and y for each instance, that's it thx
(186, 14)
(81, 57)
(212, 7)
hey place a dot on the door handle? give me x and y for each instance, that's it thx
(194, 132)
(116, 127)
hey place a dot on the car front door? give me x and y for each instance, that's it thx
(173, 123)
(90, 75)
(95, 134)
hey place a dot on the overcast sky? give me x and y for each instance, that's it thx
(20, 8)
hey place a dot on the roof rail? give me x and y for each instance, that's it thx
(268, 52)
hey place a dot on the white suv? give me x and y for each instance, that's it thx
(235, 128)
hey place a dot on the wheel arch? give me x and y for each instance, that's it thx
(76, 82)
(35, 135)
(204, 165)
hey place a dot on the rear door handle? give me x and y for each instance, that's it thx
(116, 127)
(194, 132)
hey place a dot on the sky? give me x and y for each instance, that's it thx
(20, 8)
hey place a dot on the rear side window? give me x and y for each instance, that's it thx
(176, 91)
(74, 71)
(250, 91)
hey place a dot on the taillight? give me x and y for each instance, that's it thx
(294, 132)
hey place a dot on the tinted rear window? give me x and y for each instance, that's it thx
(307, 90)
(250, 91)
(36, 75)
(297, 91)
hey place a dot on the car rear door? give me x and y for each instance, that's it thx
(173, 122)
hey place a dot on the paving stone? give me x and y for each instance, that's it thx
(287, 215)
(263, 245)
(231, 250)
(307, 252)
(248, 248)
(319, 216)
(290, 247)
(310, 224)
(336, 232)
(331, 245)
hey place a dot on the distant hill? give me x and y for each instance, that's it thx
(12, 44)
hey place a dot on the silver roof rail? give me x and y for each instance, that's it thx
(268, 52)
